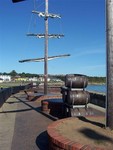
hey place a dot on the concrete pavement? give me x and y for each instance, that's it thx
(22, 126)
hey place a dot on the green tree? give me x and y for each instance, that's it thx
(23, 74)
(13, 73)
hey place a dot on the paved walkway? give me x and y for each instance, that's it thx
(22, 126)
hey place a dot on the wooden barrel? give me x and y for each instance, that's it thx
(78, 97)
(76, 81)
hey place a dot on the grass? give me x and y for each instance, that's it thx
(11, 84)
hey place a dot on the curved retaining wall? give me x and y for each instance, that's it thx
(7, 92)
(58, 141)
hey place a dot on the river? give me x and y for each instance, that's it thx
(97, 88)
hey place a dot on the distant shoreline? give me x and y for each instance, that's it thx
(94, 83)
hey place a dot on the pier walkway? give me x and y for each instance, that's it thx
(22, 126)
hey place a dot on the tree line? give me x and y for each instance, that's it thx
(13, 73)
(91, 79)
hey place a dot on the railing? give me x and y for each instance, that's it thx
(7, 92)
(95, 98)
(98, 99)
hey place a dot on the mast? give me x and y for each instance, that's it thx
(46, 15)
(45, 35)
(46, 48)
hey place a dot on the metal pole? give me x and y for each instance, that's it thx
(46, 49)
(109, 63)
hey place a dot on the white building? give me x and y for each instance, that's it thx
(42, 79)
(1, 80)
(5, 78)
(34, 79)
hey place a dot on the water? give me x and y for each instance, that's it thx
(97, 88)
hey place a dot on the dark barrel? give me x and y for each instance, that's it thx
(76, 81)
(78, 97)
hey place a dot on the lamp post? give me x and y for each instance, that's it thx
(46, 48)
(109, 63)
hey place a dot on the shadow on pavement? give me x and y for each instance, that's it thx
(42, 141)
(38, 109)
(92, 122)
(15, 111)
(95, 135)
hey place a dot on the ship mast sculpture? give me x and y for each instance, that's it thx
(46, 35)
(46, 15)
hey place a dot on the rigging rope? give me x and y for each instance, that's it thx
(54, 10)
(34, 4)
(33, 18)
(39, 5)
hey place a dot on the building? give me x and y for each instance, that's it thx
(34, 79)
(41, 79)
(1, 80)
(5, 78)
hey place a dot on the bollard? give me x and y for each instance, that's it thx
(44, 105)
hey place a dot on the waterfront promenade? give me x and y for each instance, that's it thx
(22, 126)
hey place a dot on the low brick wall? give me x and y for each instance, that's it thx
(46, 97)
(59, 142)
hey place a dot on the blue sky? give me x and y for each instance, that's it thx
(83, 26)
